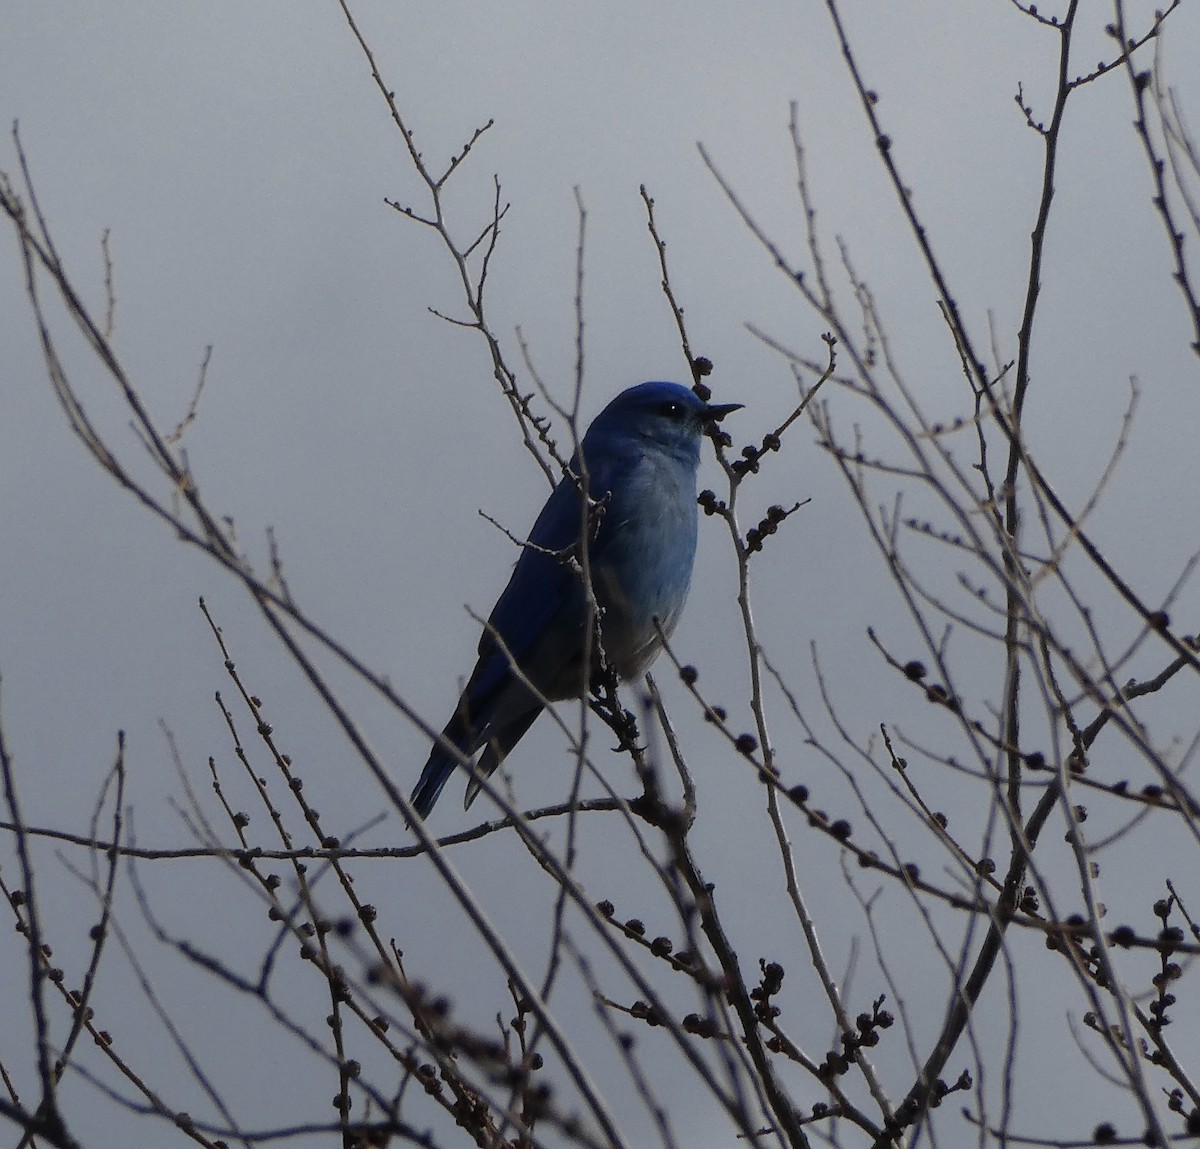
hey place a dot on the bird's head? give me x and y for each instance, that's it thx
(667, 415)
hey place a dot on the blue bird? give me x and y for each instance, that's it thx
(641, 453)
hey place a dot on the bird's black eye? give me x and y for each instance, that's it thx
(671, 410)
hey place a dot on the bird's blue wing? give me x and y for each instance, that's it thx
(540, 582)
(544, 588)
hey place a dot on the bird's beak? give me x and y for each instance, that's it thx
(715, 412)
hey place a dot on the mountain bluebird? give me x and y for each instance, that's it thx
(641, 454)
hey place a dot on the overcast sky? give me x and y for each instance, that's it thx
(239, 157)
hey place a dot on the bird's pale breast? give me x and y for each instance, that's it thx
(646, 567)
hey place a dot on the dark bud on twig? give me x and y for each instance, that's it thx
(647, 1013)
(699, 1026)
(1168, 939)
(1123, 936)
(709, 503)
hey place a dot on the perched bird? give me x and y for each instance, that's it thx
(640, 453)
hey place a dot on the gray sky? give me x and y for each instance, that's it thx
(239, 156)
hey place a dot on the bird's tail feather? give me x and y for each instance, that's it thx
(497, 737)
(441, 764)
(439, 767)
(497, 750)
